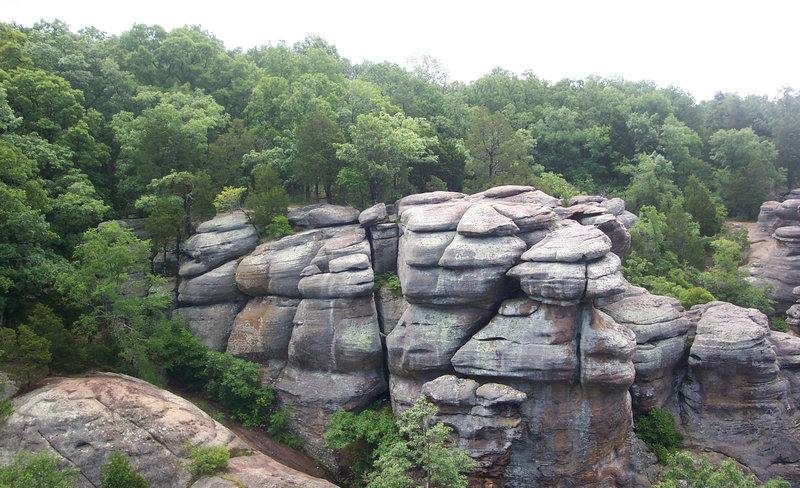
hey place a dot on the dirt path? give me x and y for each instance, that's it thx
(261, 441)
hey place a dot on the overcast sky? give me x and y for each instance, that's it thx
(700, 46)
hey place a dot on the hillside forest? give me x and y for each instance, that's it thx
(171, 126)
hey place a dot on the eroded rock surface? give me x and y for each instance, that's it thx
(83, 420)
(737, 398)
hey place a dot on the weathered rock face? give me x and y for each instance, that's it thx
(737, 399)
(515, 320)
(83, 420)
(312, 320)
(774, 257)
(219, 240)
(661, 328)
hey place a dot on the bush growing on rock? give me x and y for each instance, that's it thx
(206, 460)
(684, 471)
(658, 430)
(365, 435)
(118, 473)
(423, 448)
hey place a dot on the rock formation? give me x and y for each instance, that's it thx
(83, 420)
(515, 320)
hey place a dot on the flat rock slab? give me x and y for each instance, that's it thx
(322, 215)
(569, 245)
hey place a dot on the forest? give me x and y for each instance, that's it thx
(155, 124)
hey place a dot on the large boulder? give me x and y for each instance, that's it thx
(322, 215)
(83, 420)
(210, 324)
(217, 285)
(219, 240)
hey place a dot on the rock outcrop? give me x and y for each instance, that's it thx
(774, 257)
(208, 296)
(83, 420)
(515, 319)
(740, 392)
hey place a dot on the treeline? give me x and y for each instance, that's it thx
(154, 124)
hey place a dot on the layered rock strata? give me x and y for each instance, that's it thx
(774, 257)
(208, 297)
(312, 319)
(740, 392)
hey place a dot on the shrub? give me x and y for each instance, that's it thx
(230, 198)
(6, 409)
(117, 473)
(685, 471)
(365, 436)
(779, 324)
(36, 470)
(695, 296)
(279, 227)
(389, 280)
(206, 460)
(236, 384)
(658, 430)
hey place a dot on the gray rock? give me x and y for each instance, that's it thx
(224, 223)
(83, 420)
(537, 347)
(424, 248)
(434, 218)
(557, 283)
(337, 285)
(484, 220)
(477, 253)
(788, 209)
(427, 198)
(607, 350)
(373, 215)
(627, 219)
(614, 205)
(614, 229)
(214, 248)
(352, 262)
(767, 218)
(218, 285)
(527, 216)
(210, 324)
(322, 215)
(570, 244)
(384, 238)
(390, 307)
(504, 191)
(426, 338)
(584, 199)
(261, 331)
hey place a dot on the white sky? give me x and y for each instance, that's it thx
(700, 46)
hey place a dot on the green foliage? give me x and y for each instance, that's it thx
(27, 355)
(180, 354)
(685, 471)
(279, 227)
(389, 280)
(365, 436)
(113, 291)
(424, 447)
(67, 350)
(229, 199)
(206, 460)
(35, 470)
(779, 324)
(6, 409)
(726, 282)
(554, 184)
(237, 385)
(118, 473)
(658, 430)
(695, 296)
(704, 210)
(266, 198)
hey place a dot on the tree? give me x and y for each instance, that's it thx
(113, 291)
(493, 143)
(685, 471)
(382, 149)
(35, 470)
(704, 210)
(317, 137)
(424, 447)
(172, 135)
(266, 198)
(117, 473)
(193, 190)
(27, 355)
(786, 128)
